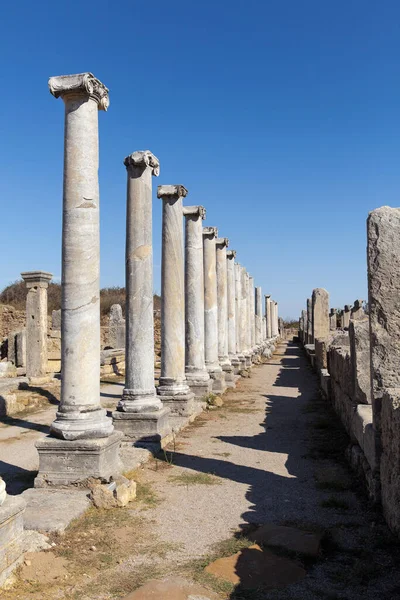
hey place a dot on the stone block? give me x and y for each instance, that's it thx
(390, 456)
(360, 361)
(320, 313)
(200, 388)
(11, 535)
(364, 432)
(56, 320)
(7, 369)
(66, 462)
(143, 428)
(218, 378)
(116, 331)
(52, 510)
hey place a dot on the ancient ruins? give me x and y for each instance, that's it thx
(217, 332)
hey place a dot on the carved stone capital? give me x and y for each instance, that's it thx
(210, 231)
(36, 278)
(172, 192)
(143, 159)
(222, 242)
(267, 296)
(81, 84)
(231, 254)
(195, 211)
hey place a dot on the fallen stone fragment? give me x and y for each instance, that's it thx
(254, 568)
(215, 401)
(289, 538)
(103, 497)
(171, 588)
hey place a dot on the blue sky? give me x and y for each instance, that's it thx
(281, 118)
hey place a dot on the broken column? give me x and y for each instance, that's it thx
(357, 311)
(346, 316)
(197, 375)
(214, 369)
(173, 387)
(87, 446)
(221, 245)
(116, 327)
(320, 313)
(140, 414)
(383, 230)
(310, 339)
(37, 283)
(231, 287)
(332, 319)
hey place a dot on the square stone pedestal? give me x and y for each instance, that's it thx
(11, 535)
(218, 378)
(181, 405)
(200, 389)
(63, 462)
(142, 428)
(230, 379)
(235, 362)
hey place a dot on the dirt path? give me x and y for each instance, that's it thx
(274, 453)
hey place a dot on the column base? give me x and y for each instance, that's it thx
(200, 389)
(39, 380)
(142, 428)
(181, 405)
(70, 462)
(11, 535)
(248, 361)
(70, 426)
(230, 379)
(218, 382)
(235, 362)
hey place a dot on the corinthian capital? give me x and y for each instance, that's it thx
(222, 242)
(143, 159)
(171, 191)
(210, 231)
(81, 84)
(195, 211)
(231, 254)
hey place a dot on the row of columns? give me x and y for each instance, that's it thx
(211, 316)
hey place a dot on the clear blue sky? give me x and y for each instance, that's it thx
(281, 118)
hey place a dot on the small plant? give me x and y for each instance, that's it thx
(195, 479)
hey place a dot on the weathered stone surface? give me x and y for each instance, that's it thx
(310, 339)
(3, 493)
(360, 360)
(171, 588)
(253, 568)
(390, 456)
(11, 535)
(333, 319)
(56, 319)
(357, 311)
(116, 327)
(320, 313)
(289, 538)
(7, 369)
(103, 497)
(66, 462)
(53, 510)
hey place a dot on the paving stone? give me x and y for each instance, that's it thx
(290, 538)
(171, 588)
(53, 510)
(254, 568)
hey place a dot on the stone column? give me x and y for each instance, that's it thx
(37, 283)
(211, 309)
(252, 317)
(246, 319)
(268, 316)
(195, 368)
(12, 534)
(173, 387)
(80, 415)
(231, 285)
(346, 315)
(221, 245)
(320, 313)
(332, 319)
(304, 326)
(357, 311)
(277, 331)
(239, 316)
(310, 339)
(273, 318)
(259, 319)
(140, 414)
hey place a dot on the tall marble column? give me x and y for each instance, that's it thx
(309, 336)
(268, 315)
(195, 368)
(80, 415)
(221, 245)
(230, 263)
(37, 283)
(214, 369)
(239, 316)
(140, 414)
(246, 318)
(173, 387)
(252, 317)
(259, 317)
